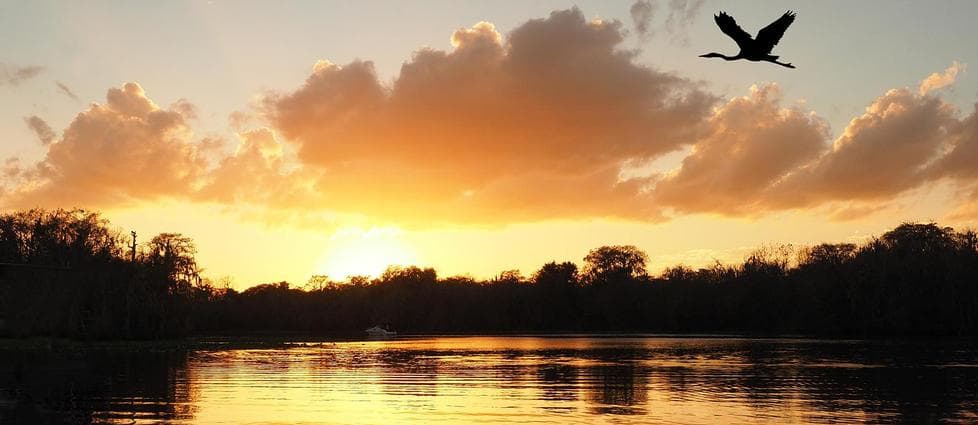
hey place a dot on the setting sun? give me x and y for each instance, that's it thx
(359, 252)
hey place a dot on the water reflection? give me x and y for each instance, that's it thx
(557, 382)
(498, 379)
(618, 389)
(104, 386)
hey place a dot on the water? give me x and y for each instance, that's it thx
(544, 380)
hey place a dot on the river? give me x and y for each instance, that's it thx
(506, 379)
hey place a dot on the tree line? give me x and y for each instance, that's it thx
(67, 273)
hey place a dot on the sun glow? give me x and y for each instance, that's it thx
(359, 252)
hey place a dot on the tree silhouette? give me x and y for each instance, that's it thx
(68, 273)
(556, 276)
(614, 263)
(172, 254)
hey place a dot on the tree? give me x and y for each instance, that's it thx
(556, 275)
(172, 255)
(915, 238)
(509, 277)
(827, 254)
(769, 259)
(410, 275)
(616, 263)
(56, 238)
(679, 273)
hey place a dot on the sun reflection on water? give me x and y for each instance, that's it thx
(501, 380)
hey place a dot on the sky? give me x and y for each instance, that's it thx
(301, 138)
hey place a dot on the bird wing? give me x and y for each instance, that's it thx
(729, 27)
(771, 34)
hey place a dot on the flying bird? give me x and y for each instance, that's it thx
(754, 49)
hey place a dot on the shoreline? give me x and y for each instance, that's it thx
(284, 340)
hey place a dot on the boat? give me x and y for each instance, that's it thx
(378, 331)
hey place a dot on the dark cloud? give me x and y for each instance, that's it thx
(63, 89)
(682, 13)
(14, 75)
(642, 12)
(41, 129)
(11, 170)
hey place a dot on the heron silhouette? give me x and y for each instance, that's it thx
(754, 49)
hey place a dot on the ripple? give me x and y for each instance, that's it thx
(504, 380)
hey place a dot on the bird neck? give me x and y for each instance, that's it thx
(721, 55)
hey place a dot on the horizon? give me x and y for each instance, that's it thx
(439, 160)
(792, 255)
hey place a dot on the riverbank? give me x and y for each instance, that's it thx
(286, 340)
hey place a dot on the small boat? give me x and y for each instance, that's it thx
(378, 331)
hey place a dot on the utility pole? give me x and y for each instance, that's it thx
(133, 232)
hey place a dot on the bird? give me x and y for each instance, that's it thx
(754, 49)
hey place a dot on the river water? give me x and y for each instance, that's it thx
(543, 380)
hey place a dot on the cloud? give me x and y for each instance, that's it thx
(240, 120)
(856, 210)
(552, 121)
(14, 75)
(879, 155)
(642, 12)
(959, 163)
(753, 144)
(63, 89)
(469, 134)
(258, 173)
(939, 80)
(966, 209)
(761, 158)
(41, 129)
(125, 150)
(11, 169)
(682, 13)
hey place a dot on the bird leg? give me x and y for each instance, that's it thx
(786, 65)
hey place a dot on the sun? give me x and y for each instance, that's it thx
(360, 252)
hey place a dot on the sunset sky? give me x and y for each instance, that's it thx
(293, 138)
